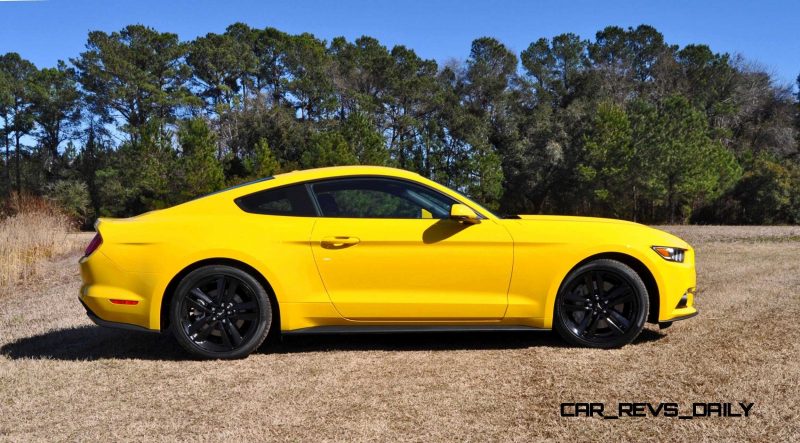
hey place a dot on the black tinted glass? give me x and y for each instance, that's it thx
(379, 198)
(289, 200)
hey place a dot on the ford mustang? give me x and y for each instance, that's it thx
(362, 248)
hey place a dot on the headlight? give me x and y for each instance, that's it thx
(669, 253)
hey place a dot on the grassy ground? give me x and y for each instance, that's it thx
(29, 238)
(62, 378)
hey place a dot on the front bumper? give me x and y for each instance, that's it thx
(677, 283)
(685, 308)
(666, 324)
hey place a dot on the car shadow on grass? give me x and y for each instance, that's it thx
(93, 343)
(430, 341)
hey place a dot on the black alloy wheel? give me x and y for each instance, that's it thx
(602, 304)
(220, 312)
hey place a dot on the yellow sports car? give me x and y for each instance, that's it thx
(361, 248)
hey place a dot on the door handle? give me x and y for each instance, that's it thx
(340, 241)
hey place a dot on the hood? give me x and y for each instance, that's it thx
(623, 228)
(570, 218)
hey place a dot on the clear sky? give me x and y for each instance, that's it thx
(765, 31)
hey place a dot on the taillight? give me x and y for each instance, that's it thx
(93, 245)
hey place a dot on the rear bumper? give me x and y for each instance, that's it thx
(103, 282)
(110, 324)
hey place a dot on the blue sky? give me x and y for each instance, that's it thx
(767, 32)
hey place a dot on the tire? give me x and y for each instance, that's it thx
(601, 304)
(220, 312)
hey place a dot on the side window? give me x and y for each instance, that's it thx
(379, 198)
(289, 200)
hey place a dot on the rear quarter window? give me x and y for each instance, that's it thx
(291, 200)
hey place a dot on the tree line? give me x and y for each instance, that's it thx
(624, 125)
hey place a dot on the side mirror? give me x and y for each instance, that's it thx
(464, 214)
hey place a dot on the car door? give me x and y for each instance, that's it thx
(387, 251)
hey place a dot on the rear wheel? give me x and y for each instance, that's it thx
(220, 312)
(602, 304)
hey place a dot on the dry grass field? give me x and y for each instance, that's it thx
(61, 378)
(34, 233)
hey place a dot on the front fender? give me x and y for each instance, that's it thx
(541, 268)
(587, 253)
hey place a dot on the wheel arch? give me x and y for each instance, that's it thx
(169, 291)
(640, 268)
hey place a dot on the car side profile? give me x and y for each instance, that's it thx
(362, 248)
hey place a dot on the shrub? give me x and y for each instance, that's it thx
(32, 230)
(72, 196)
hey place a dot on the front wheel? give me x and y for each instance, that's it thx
(602, 304)
(220, 312)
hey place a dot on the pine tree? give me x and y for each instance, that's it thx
(198, 166)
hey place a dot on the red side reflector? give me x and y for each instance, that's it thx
(123, 302)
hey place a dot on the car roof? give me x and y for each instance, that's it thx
(306, 175)
(336, 171)
(202, 204)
